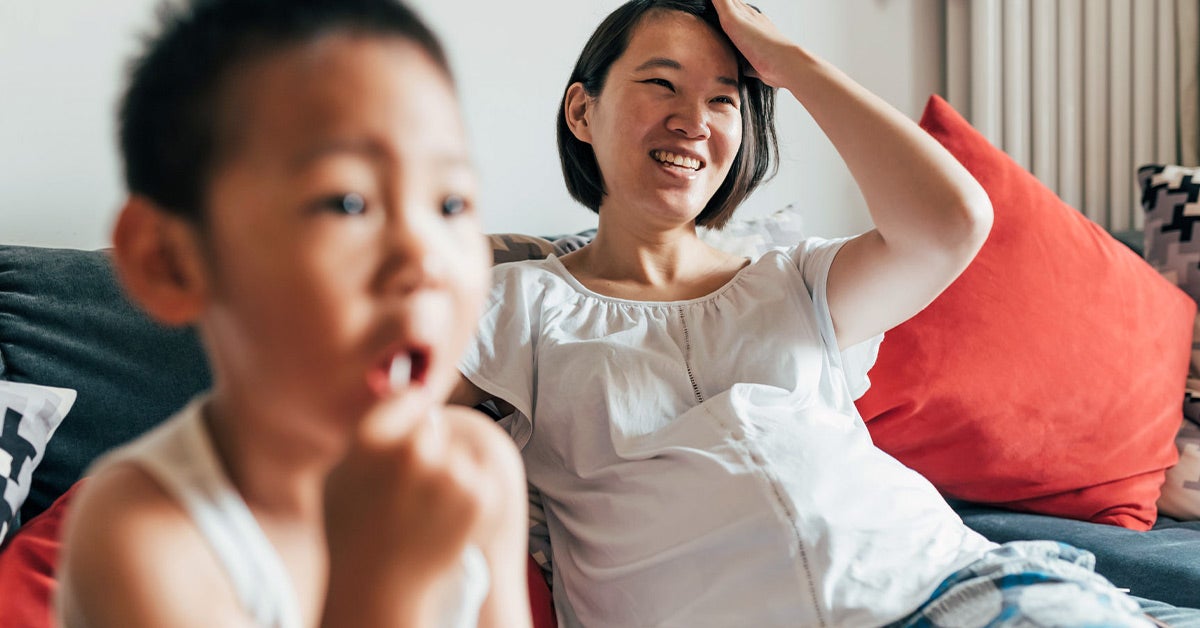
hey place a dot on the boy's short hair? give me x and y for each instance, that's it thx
(756, 157)
(170, 112)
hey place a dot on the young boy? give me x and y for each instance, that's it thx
(300, 191)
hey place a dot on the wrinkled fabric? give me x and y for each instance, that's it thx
(701, 462)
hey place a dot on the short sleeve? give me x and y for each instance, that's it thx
(813, 257)
(500, 360)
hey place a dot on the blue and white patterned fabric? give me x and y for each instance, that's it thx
(1027, 583)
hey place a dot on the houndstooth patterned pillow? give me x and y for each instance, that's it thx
(1171, 199)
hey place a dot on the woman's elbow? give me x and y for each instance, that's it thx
(977, 221)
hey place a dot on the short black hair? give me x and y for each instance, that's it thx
(171, 109)
(756, 158)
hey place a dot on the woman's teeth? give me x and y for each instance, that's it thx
(668, 157)
(400, 372)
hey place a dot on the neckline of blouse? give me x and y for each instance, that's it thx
(561, 270)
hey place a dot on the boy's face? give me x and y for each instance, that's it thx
(341, 229)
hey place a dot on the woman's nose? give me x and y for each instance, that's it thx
(691, 121)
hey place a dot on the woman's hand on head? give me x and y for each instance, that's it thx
(758, 39)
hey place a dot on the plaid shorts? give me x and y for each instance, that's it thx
(1028, 583)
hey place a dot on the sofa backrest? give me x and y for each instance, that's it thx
(65, 322)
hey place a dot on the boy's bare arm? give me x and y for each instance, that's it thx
(132, 558)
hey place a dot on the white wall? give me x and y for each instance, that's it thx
(61, 66)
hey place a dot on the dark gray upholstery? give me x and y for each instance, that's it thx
(64, 322)
(1162, 564)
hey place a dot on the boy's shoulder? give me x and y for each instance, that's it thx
(121, 527)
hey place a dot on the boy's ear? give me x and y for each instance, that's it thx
(159, 259)
(577, 108)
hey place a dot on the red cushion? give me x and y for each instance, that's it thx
(28, 563)
(27, 567)
(1049, 377)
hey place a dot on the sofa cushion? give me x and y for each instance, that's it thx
(1158, 564)
(1048, 378)
(64, 322)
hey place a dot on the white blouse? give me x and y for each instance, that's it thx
(701, 462)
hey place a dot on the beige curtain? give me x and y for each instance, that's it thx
(1080, 92)
(1188, 12)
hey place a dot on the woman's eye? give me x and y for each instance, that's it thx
(662, 82)
(453, 205)
(725, 100)
(351, 204)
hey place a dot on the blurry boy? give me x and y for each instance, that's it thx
(300, 191)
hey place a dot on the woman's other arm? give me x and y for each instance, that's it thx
(931, 216)
(468, 394)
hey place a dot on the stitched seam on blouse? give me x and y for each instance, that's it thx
(782, 503)
(812, 587)
(687, 355)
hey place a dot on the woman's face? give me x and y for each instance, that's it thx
(667, 125)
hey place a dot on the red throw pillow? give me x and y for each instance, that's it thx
(29, 561)
(1049, 377)
(27, 567)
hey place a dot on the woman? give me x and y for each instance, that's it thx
(686, 416)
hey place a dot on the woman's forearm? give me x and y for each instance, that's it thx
(918, 195)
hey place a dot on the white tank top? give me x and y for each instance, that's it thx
(179, 455)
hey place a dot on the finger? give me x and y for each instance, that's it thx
(724, 7)
(392, 419)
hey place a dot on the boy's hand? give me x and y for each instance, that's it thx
(403, 504)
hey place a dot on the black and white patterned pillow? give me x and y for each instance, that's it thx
(29, 415)
(1171, 199)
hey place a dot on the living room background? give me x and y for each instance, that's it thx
(62, 65)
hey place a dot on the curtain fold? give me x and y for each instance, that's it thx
(1080, 92)
(1188, 14)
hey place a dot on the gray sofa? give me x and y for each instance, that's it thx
(64, 322)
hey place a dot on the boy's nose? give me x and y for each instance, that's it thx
(411, 261)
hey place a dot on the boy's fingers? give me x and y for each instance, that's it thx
(392, 420)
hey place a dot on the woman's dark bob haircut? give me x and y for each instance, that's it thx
(174, 119)
(756, 157)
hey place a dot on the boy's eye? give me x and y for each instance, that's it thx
(351, 204)
(453, 205)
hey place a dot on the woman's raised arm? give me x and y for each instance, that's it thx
(931, 216)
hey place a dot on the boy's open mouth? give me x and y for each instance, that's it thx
(668, 158)
(402, 370)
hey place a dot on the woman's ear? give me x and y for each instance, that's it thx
(577, 108)
(159, 260)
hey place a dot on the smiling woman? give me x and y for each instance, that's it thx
(678, 406)
(641, 86)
